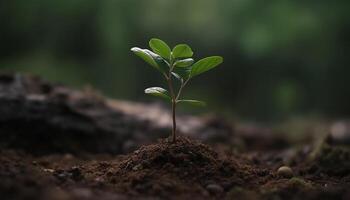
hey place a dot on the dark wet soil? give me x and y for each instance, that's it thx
(186, 169)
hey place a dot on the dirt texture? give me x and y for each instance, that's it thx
(58, 143)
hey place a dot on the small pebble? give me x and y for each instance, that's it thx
(340, 133)
(214, 188)
(285, 172)
(49, 170)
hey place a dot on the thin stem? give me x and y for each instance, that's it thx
(174, 98)
(173, 102)
(165, 75)
(180, 90)
(173, 109)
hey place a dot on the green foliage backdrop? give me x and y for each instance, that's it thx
(282, 57)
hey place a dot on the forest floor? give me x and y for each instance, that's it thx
(58, 154)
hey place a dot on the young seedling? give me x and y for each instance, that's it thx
(174, 64)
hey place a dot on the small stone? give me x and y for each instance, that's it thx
(49, 170)
(285, 172)
(340, 133)
(214, 188)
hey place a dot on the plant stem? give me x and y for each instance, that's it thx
(180, 90)
(173, 109)
(173, 102)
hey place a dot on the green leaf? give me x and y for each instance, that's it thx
(158, 92)
(160, 47)
(183, 72)
(205, 64)
(152, 58)
(163, 66)
(143, 53)
(184, 63)
(176, 76)
(192, 102)
(182, 51)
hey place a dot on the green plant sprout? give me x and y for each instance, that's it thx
(174, 64)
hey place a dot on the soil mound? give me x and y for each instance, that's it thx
(183, 167)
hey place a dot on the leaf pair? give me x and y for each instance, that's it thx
(163, 93)
(162, 49)
(184, 51)
(162, 55)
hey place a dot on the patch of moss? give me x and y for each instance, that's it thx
(299, 183)
(332, 159)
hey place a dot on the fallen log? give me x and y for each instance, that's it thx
(43, 117)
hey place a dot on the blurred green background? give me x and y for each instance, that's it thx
(282, 58)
